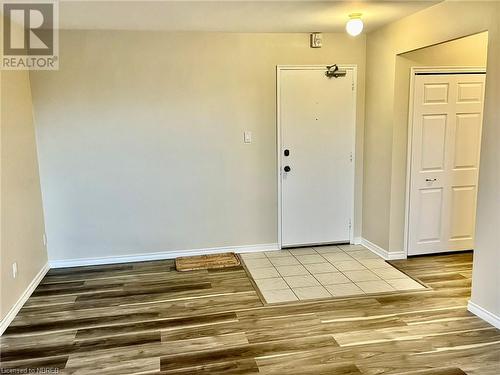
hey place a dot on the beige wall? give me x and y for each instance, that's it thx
(468, 51)
(486, 275)
(471, 50)
(428, 27)
(140, 138)
(22, 225)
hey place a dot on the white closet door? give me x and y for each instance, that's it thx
(317, 117)
(446, 139)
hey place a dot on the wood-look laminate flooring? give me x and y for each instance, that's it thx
(146, 318)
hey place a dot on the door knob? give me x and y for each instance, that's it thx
(430, 179)
(287, 169)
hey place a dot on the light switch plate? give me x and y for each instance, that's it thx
(247, 136)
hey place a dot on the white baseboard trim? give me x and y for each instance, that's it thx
(4, 323)
(160, 255)
(393, 255)
(357, 241)
(484, 314)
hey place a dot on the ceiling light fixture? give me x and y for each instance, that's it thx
(354, 26)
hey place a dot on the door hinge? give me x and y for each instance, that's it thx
(350, 157)
(350, 226)
(352, 85)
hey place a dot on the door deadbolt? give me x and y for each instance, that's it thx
(287, 152)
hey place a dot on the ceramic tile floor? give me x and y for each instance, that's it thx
(323, 272)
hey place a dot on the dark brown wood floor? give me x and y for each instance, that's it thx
(147, 318)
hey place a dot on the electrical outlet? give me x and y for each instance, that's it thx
(14, 270)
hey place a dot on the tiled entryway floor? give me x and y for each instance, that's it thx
(323, 272)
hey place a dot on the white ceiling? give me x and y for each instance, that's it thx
(231, 16)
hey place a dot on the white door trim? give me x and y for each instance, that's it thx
(279, 68)
(413, 72)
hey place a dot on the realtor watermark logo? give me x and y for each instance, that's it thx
(30, 35)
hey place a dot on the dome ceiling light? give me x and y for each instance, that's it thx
(354, 26)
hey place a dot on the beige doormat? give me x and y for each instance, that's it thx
(205, 262)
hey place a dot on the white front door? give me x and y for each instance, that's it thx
(317, 122)
(446, 138)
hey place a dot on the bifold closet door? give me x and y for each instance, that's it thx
(446, 139)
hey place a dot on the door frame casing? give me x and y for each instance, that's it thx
(413, 72)
(279, 69)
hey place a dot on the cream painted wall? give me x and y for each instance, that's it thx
(471, 50)
(140, 138)
(486, 275)
(468, 51)
(437, 24)
(22, 224)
